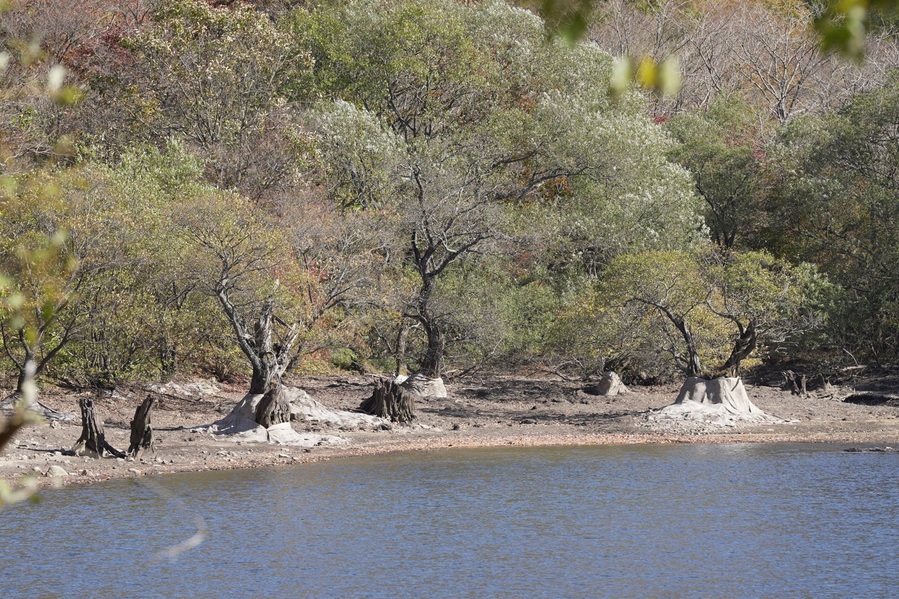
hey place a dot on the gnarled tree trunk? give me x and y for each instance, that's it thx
(743, 347)
(797, 383)
(268, 358)
(92, 441)
(273, 408)
(389, 400)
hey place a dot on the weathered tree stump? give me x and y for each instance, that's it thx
(796, 383)
(389, 400)
(141, 431)
(92, 441)
(273, 408)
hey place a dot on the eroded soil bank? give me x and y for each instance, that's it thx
(480, 411)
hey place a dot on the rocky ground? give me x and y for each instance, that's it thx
(480, 411)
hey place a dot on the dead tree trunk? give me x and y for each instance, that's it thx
(273, 408)
(389, 400)
(268, 358)
(798, 384)
(141, 431)
(92, 441)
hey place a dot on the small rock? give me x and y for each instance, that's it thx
(55, 470)
(134, 470)
(86, 472)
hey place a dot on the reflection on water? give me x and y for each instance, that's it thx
(636, 521)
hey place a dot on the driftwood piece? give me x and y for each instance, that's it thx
(92, 441)
(273, 408)
(141, 431)
(389, 400)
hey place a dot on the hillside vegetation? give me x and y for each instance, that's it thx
(248, 189)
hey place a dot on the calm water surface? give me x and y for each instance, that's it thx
(637, 521)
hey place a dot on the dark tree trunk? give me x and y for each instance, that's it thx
(23, 374)
(798, 384)
(432, 366)
(261, 382)
(273, 407)
(693, 367)
(92, 440)
(401, 337)
(743, 347)
(141, 431)
(389, 400)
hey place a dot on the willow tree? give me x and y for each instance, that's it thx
(235, 257)
(710, 310)
(56, 248)
(452, 118)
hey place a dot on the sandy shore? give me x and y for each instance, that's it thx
(479, 412)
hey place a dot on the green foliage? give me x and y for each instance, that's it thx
(450, 153)
(475, 186)
(721, 148)
(662, 302)
(837, 204)
(220, 79)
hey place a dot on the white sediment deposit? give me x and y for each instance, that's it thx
(708, 405)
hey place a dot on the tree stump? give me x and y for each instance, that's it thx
(273, 408)
(92, 441)
(141, 431)
(796, 383)
(389, 400)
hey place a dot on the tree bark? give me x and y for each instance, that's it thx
(92, 441)
(263, 375)
(401, 338)
(797, 383)
(141, 431)
(743, 347)
(273, 407)
(694, 367)
(268, 358)
(389, 400)
(432, 364)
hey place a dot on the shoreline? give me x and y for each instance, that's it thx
(110, 468)
(487, 413)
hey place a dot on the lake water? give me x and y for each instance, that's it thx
(634, 521)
